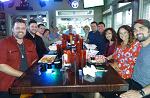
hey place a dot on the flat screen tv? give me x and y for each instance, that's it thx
(93, 3)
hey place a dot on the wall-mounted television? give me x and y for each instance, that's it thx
(93, 3)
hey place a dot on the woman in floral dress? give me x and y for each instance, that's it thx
(126, 52)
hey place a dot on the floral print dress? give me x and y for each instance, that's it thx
(126, 59)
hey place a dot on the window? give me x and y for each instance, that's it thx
(128, 17)
(118, 20)
(146, 11)
(107, 20)
(77, 18)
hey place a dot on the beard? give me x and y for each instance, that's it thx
(141, 37)
(20, 35)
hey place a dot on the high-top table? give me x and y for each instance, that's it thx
(57, 81)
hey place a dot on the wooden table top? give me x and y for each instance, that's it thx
(57, 81)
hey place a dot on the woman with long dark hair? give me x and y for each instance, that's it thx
(126, 52)
(111, 38)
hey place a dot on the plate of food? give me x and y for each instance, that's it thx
(98, 59)
(47, 59)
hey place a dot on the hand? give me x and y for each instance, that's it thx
(131, 94)
(115, 66)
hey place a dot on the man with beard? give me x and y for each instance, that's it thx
(16, 55)
(140, 83)
(31, 34)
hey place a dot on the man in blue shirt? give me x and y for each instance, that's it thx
(92, 34)
(97, 38)
(140, 83)
(101, 27)
(70, 30)
(102, 40)
(54, 35)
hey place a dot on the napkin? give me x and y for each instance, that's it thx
(89, 70)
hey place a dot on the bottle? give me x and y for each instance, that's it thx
(81, 43)
(66, 59)
(70, 38)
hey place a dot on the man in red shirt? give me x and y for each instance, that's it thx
(16, 55)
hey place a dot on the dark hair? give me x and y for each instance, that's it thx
(130, 32)
(45, 31)
(144, 22)
(39, 25)
(94, 22)
(32, 21)
(114, 35)
(101, 23)
(18, 21)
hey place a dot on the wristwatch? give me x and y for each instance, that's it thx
(142, 92)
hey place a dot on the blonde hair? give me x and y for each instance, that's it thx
(86, 26)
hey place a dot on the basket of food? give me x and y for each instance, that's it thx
(47, 59)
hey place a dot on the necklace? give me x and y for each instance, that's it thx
(21, 50)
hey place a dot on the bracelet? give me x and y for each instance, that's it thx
(142, 92)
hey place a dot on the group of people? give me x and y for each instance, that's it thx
(127, 52)
(20, 51)
(128, 48)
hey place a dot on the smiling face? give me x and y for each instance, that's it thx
(94, 27)
(101, 28)
(19, 30)
(33, 28)
(46, 34)
(141, 32)
(109, 35)
(123, 34)
(86, 29)
(41, 29)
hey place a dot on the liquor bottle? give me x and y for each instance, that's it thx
(81, 43)
(66, 59)
(71, 38)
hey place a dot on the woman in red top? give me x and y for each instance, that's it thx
(126, 52)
